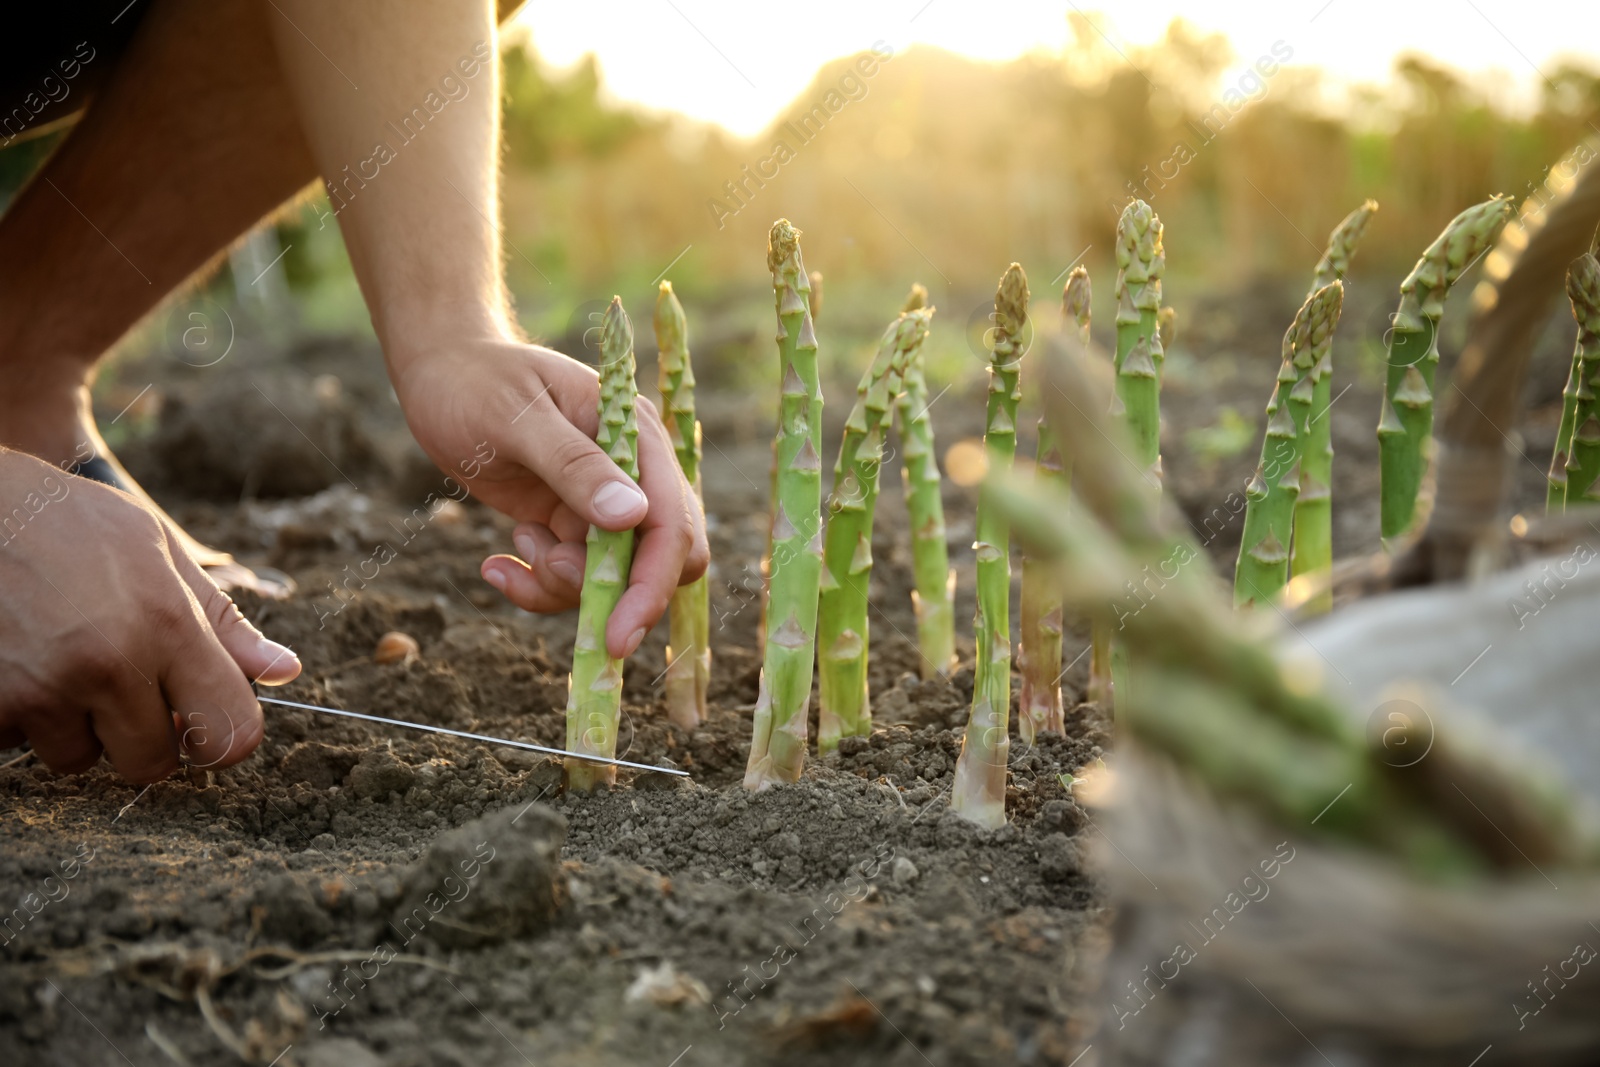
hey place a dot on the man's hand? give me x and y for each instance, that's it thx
(533, 411)
(111, 639)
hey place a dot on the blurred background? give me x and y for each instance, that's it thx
(936, 141)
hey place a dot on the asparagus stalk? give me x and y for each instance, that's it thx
(778, 741)
(689, 649)
(1039, 649)
(594, 692)
(1582, 439)
(978, 793)
(842, 627)
(1313, 506)
(1075, 299)
(1405, 426)
(1263, 567)
(934, 594)
(1141, 261)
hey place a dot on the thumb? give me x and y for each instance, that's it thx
(262, 660)
(584, 477)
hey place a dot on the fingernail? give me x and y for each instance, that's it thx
(567, 572)
(495, 577)
(282, 664)
(616, 501)
(635, 639)
(527, 547)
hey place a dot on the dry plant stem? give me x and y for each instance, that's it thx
(689, 647)
(1040, 619)
(1263, 567)
(1580, 435)
(1312, 555)
(778, 739)
(1405, 425)
(842, 624)
(934, 594)
(978, 793)
(594, 692)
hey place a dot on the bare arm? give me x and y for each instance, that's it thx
(402, 115)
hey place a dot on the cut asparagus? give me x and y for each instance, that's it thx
(594, 691)
(978, 793)
(842, 638)
(934, 594)
(778, 739)
(1039, 708)
(1313, 506)
(1582, 441)
(689, 650)
(1405, 425)
(1263, 567)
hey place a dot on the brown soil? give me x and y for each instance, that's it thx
(850, 918)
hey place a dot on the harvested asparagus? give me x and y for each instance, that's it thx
(934, 595)
(1263, 567)
(689, 649)
(1313, 506)
(978, 793)
(842, 625)
(1577, 455)
(594, 692)
(778, 739)
(1039, 615)
(1405, 426)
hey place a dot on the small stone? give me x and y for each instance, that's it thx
(903, 872)
(324, 842)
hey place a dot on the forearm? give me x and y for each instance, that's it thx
(402, 114)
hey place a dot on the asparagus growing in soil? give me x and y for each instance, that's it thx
(1075, 300)
(1039, 648)
(1582, 428)
(1405, 426)
(1313, 506)
(1263, 567)
(934, 595)
(778, 740)
(842, 636)
(689, 650)
(1224, 709)
(594, 693)
(978, 793)
(1141, 261)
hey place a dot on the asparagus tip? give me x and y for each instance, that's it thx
(1011, 300)
(1075, 296)
(918, 297)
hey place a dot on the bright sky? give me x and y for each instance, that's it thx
(738, 62)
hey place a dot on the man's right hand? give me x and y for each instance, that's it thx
(113, 640)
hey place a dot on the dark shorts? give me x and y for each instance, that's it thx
(54, 56)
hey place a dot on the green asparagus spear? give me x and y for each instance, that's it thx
(689, 651)
(1583, 440)
(1313, 507)
(842, 636)
(1405, 426)
(778, 740)
(1263, 567)
(1039, 615)
(1141, 261)
(978, 793)
(934, 595)
(594, 692)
